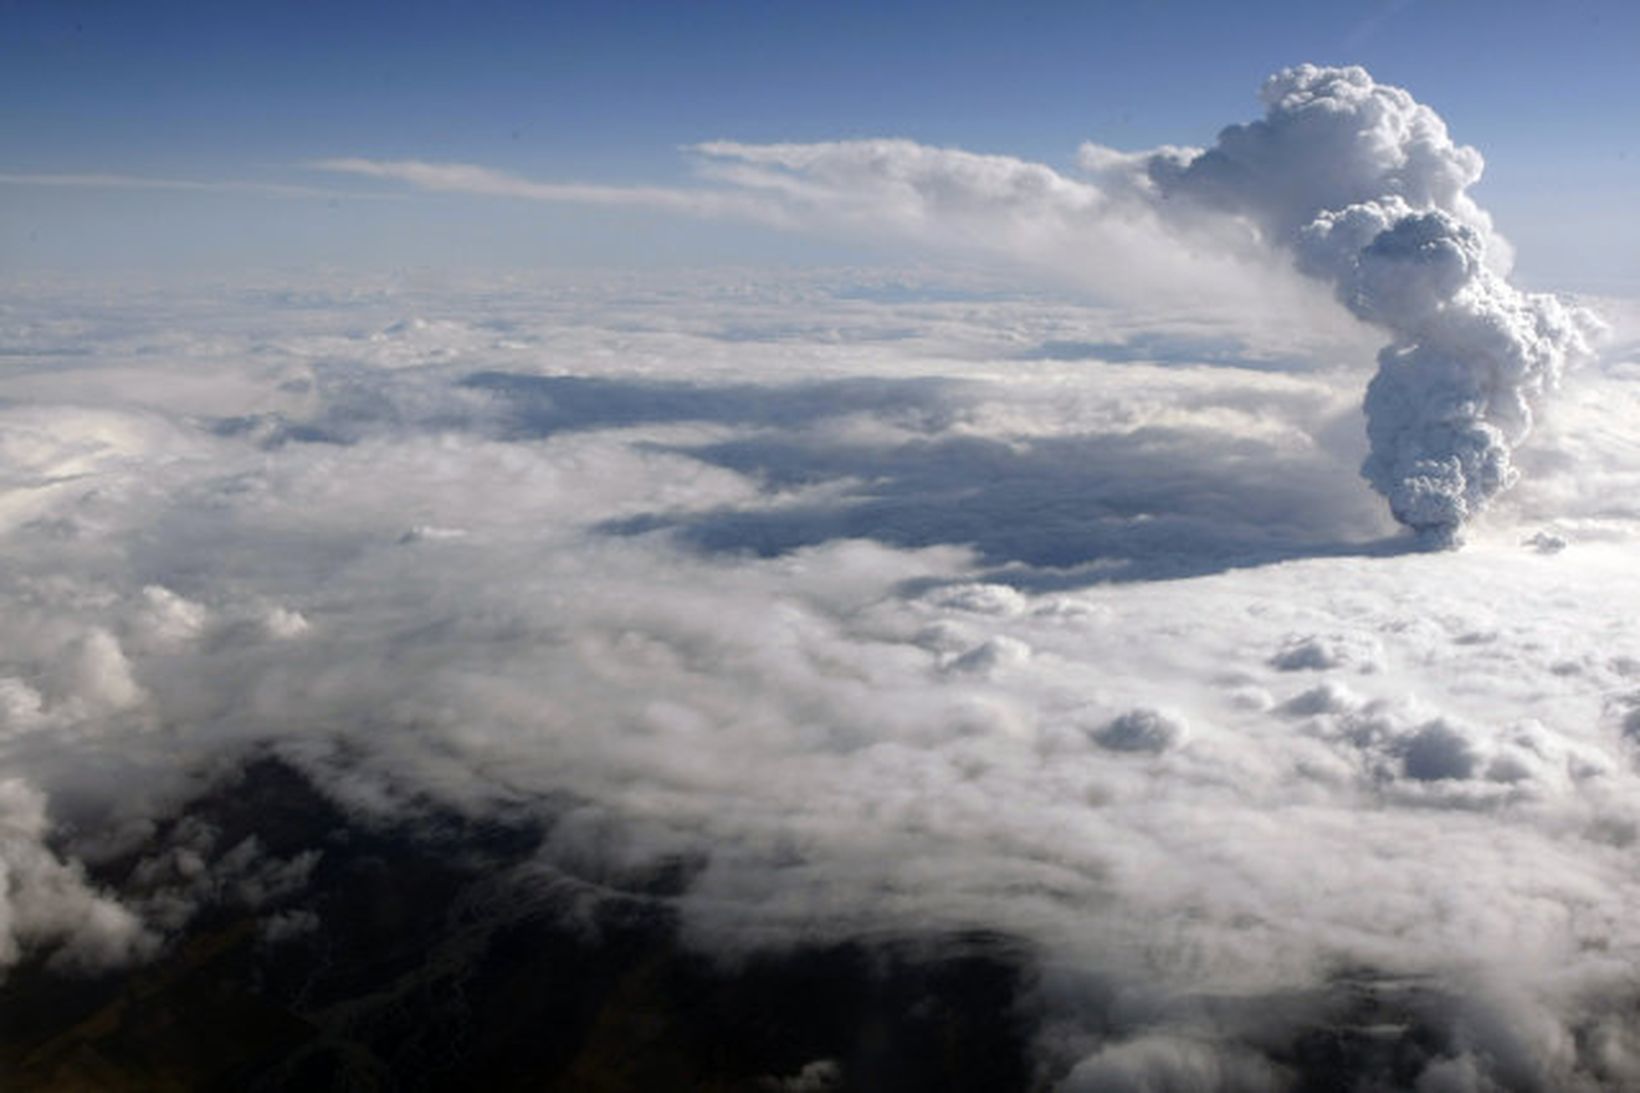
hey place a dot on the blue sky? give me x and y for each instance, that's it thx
(607, 93)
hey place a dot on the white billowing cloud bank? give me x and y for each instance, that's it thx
(900, 608)
(1356, 182)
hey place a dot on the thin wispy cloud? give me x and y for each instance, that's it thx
(1098, 233)
(103, 180)
(468, 178)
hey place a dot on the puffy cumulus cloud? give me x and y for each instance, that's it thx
(1170, 1064)
(867, 618)
(1303, 652)
(194, 871)
(816, 1077)
(1140, 730)
(46, 903)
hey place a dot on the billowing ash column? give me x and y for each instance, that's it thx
(1365, 186)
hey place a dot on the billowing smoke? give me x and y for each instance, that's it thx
(1357, 181)
(1365, 186)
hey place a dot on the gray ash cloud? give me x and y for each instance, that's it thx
(1365, 186)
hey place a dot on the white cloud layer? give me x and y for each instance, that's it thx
(899, 607)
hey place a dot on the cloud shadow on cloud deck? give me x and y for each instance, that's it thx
(1155, 503)
(531, 407)
(537, 406)
(1160, 347)
(1048, 512)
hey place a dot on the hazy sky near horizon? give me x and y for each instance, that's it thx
(181, 136)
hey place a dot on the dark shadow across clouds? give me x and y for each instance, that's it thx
(1150, 503)
(1042, 512)
(1170, 349)
(536, 406)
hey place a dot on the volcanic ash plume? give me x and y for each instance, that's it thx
(1365, 186)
